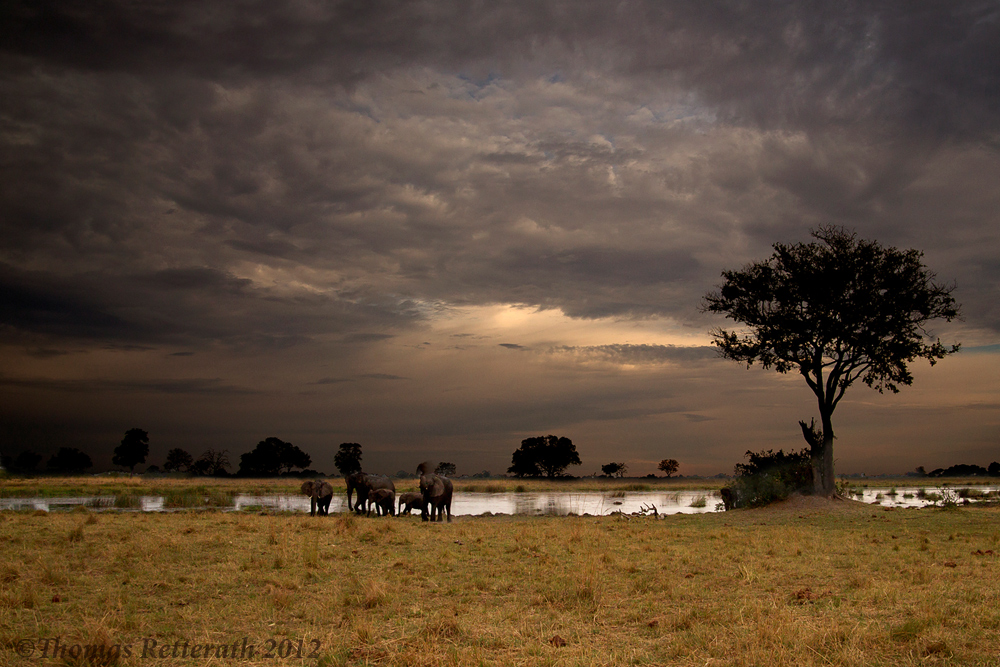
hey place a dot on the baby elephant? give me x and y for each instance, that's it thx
(384, 502)
(409, 500)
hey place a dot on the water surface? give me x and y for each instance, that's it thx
(560, 503)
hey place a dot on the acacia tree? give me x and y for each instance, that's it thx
(668, 466)
(836, 311)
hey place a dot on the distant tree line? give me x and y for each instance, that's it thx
(542, 456)
(66, 461)
(963, 470)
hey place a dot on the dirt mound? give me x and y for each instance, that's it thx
(799, 502)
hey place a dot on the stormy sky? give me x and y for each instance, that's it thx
(438, 228)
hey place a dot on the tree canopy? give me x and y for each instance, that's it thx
(212, 462)
(614, 469)
(348, 458)
(25, 462)
(547, 456)
(836, 310)
(668, 466)
(445, 469)
(271, 457)
(70, 460)
(179, 460)
(133, 449)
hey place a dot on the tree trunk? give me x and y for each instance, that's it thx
(821, 456)
(824, 484)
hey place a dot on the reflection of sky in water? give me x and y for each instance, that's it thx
(555, 504)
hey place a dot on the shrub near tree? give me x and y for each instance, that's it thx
(837, 311)
(768, 477)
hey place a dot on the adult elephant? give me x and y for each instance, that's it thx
(320, 494)
(364, 484)
(435, 491)
(407, 501)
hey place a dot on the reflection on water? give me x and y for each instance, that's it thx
(580, 503)
(530, 504)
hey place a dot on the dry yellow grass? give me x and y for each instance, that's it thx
(805, 583)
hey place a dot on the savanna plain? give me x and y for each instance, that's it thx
(804, 582)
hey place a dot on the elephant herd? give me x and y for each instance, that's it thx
(367, 492)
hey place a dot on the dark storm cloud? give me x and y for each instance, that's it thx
(197, 386)
(213, 125)
(929, 67)
(309, 189)
(185, 306)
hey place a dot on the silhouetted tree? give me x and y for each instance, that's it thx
(668, 466)
(960, 470)
(614, 469)
(994, 469)
(348, 458)
(70, 460)
(25, 462)
(212, 462)
(445, 469)
(836, 311)
(271, 457)
(543, 455)
(179, 460)
(133, 450)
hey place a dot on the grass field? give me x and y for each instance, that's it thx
(806, 583)
(224, 488)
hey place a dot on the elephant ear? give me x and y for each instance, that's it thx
(325, 489)
(438, 487)
(307, 488)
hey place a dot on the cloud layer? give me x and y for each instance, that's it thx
(385, 219)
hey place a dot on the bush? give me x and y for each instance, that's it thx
(768, 477)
